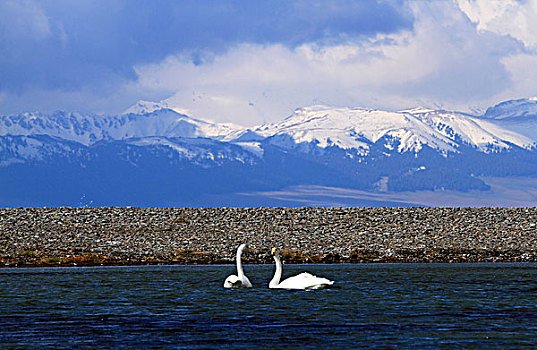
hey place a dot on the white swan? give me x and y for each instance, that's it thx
(239, 280)
(301, 281)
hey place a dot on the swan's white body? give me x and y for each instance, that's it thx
(240, 280)
(304, 280)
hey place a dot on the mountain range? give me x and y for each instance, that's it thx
(154, 155)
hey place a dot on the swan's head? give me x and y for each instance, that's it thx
(275, 251)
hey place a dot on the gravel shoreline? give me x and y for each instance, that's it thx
(133, 236)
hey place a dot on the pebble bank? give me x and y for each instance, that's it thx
(131, 236)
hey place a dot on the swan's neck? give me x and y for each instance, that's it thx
(278, 273)
(240, 272)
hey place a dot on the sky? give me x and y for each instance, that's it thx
(251, 62)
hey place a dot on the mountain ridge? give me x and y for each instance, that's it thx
(162, 156)
(327, 126)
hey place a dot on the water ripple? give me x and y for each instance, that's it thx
(403, 306)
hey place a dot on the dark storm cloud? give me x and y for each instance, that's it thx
(70, 45)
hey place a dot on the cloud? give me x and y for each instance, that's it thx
(522, 70)
(442, 60)
(514, 19)
(506, 17)
(76, 45)
(250, 62)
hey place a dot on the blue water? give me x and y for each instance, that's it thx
(399, 306)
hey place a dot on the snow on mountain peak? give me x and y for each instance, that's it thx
(88, 129)
(356, 128)
(524, 107)
(318, 125)
(359, 128)
(417, 110)
(474, 131)
(144, 107)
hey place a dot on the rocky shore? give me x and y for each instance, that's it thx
(132, 236)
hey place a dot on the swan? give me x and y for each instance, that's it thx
(304, 280)
(240, 280)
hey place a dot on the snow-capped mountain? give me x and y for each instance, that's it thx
(358, 128)
(200, 151)
(145, 107)
(345, 128)
(482, 134)
(153, 155)
(89, 128)
(519, 116)
(524, 107)
(36, 148)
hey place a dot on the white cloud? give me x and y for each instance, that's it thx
(459, 54)
(518, 20)
(508, 17)
(443, 61)
(523, 70)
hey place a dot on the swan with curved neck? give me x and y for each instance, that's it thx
(304, 280)
(240, 280)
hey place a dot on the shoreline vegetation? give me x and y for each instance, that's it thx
(41, 237)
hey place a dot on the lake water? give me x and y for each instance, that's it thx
(378, 305)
